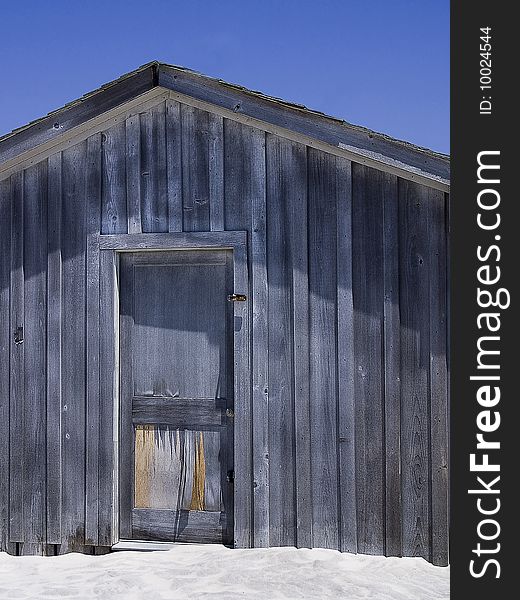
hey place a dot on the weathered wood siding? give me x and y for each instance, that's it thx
(347, 269)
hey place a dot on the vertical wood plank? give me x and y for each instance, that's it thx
(345, 359)
(284, 187)
(237, 184)
(133, 173)
(35, 333)
(216, 172)
(415, 367)
(228, 361)
(114, 205)
(54, 369)
(322, 318)
(438, 377)
(392, 368)
(195, 169)
(259, 358)
(154, 182)
(17, 403)
(161, 167)
(368, 339)
(126, 429)
(5, 348)
(109, 375)
(73, 346)
(298, 228)
(174, 164)
(148, 178)
(243, 520)
(93, 423)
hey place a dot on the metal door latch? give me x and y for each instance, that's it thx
(230, 476)
(230, 412)
(237, 298)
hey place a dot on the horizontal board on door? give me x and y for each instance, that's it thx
(178, 525)
(181, 412)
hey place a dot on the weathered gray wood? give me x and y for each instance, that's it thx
(167, 241)
(237, 214)
(162, 205)
(35, 332)
(17, 389)
(310, 413)
(365, 146)
(73, 345)
(367, 218)
(204, 257)
(195, 169)
(322, 328)
(179, 338)
(363, 143)
(50, 550)
(126, 430)
(438, 377)
(154, 184)
(83, 131)
(260, 356)
(227, 485)
(108, 454)
(174, 164)
(5, 350)
(54, 359)
(242, 394)
(93, 187)
(216, 172)
(284, 186)
(181, 412)
(31, 549)
(133, 173)
(179, 526)
(392, 368)
(345, 359)
(170, 347)
(415, 366)
(12, 548)
(114, 203)
(298, 237)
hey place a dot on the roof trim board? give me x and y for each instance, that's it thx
(155, 81)
(338, 134)
(76, 134)
(369, 159)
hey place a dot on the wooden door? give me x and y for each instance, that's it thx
(176, 386)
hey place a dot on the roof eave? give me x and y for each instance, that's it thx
(233, 101)
(375, 147)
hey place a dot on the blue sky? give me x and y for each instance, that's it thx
(381, 64)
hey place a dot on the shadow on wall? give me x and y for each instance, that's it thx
(397, 242)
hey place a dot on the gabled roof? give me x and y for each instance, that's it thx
(40, 138)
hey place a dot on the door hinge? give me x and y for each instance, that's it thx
(231, 476)
(237, 298)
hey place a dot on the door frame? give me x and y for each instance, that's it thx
(109, 248)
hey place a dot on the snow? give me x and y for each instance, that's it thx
(217, 572)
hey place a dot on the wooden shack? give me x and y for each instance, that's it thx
(223, 318)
